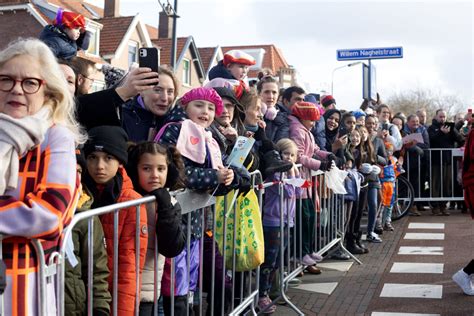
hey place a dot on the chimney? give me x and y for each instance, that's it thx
(165, 27)
(111, 8)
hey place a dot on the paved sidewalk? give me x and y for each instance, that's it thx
(358, 290)
(361, 279)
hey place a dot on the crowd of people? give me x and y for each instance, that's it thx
(66, 150)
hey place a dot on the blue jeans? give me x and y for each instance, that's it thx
(272, 239)
(372, 196)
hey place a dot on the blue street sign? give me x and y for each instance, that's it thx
(370, 53)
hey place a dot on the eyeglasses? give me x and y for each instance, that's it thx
(91, 79)
(29, 85)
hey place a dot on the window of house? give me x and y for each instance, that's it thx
(187, 72)
(132, 53)
(94, 42)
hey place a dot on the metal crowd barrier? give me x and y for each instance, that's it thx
(244, 286)
(434, 174)
(329, 236)
(45, 274)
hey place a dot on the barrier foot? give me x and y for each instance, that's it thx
(341, 246)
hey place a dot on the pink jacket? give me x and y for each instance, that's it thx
(307, 149)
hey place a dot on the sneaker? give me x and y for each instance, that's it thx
(388, 226)
(316, 257)
(339, 255)
(308, 261)
(464, 281)
(373, 237)
(263, 303)
(295, 282)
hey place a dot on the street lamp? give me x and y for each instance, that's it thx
(340, 67)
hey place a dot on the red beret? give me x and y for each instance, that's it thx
(238, 57)
(70, 20)
(305, 111)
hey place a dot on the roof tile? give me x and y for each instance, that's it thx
(165, 48)
(206, 54)
(113, 32)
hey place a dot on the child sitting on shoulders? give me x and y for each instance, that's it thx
(66, 35)
(234, 68)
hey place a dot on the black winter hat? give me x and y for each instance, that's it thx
(229, 94)
(109, 139)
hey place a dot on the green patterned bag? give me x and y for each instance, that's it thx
(249, 249)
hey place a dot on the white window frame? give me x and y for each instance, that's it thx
(95, 34)
(135, 45)
(186, 72)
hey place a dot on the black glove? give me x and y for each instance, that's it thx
(163, 198)
(331, 157)
(325, 165)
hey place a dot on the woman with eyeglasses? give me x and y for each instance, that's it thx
(38, 180)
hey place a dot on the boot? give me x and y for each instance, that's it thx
(443, 210)
(273, 163)
(359, 243)
(351, 245)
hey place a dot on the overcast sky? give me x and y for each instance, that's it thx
(436, 36)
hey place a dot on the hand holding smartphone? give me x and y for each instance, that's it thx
(148, 57)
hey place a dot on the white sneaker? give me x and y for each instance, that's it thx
(464, 281)
(308, 261)
(373, 237)
(316, 257)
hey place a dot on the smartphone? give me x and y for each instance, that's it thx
(148, 57)
(342, 132)
(385, 126)
(449, 124)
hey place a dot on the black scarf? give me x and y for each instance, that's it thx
(109, 192)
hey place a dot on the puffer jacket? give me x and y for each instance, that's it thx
(61, 45)
(148, 276)
(278, 128)
(127, 272)
(307, 149)
(75, 288)
(171, 241)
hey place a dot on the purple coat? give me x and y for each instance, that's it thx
(271, 208)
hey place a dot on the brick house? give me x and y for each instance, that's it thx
(268, 56)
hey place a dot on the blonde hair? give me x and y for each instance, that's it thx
(58, 97)
(285, 144)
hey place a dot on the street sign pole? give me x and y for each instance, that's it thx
(369, 54)
(369, 88)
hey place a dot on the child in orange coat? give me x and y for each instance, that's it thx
(106, 178)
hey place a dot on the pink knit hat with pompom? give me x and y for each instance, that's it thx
(205, 94)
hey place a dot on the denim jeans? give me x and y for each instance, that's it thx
(372, 196)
